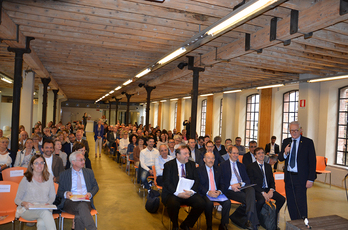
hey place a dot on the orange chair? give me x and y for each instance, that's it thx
(240, 158)
(55, 216)
(321, 165)
(14, 174)
(155, 178)
(280, 184)
(8, 206)
(71, 216)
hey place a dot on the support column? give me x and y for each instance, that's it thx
(264, 128)
(39, 104)
(26, 112)
(45, 82)
(178, 116)
(194, 95)
(117, 101)
(159, 118)
(127, 111)
(17, 85)
(109, 112)
(148, 98)
(55, 96)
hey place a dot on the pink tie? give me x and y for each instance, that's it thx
(211, 179)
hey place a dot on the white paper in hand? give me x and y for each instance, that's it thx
(184, 184)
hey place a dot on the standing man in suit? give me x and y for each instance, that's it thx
(173, 170)
(196, 154)
(234, 177)
(300, 164)
(78, 181)
(249, 157)
(54, 163)
(187, 123)
(261, 174)
(272, 149)
(209, 178)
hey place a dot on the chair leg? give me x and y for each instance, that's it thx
(96, 221)
(330, 180)
(62, 223)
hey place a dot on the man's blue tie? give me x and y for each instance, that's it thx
(293, 154)
(264, 177)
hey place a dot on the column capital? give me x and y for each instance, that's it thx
(45, 81)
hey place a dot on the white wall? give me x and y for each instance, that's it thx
(72, 113)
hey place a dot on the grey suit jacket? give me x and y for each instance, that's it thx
(66, 181)
(57, 166)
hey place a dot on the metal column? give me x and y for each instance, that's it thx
(55, 93)
(45, 82)
(17, 85)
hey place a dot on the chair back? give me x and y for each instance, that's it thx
(240, 158)
(279, 183)
(56, 187)
(321, 163)
(8, 192)
(14, 174)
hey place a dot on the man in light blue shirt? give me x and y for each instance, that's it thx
(160, 161)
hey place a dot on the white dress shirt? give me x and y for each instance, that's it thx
(294, 169)
(159, 164)
(49, 162)
(147, 158)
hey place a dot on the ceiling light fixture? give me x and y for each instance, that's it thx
(6, 78)
(328, 79)
(206, 95)
(117, 88)
(142, 73)
(269, 86)
(239, 17)
(233, 91)
(163, 101)
(173, 55)
(128, 82)
(111, 92)
(174, 99)
(189, 97)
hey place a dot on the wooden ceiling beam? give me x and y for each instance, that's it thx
(8, 31)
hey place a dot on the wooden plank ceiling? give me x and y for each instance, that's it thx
(89, 47)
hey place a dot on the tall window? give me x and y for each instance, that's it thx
(175, 114)
(220, 119)
(342, 127)
(290, 111)
(203, 116)
(252, 118)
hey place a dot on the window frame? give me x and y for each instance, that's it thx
(220, 118)
(246, 118)
(203, 116)
(296, 116)
(345, 160)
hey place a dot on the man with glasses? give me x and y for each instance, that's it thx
(300, 164)
(249, 157)
(54, 163)
(209, 147)
(241, 148)
(78, 181)
(171, 150)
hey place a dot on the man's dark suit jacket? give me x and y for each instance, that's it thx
(256, 176)
(67, 149)
(199, 156)
(222, 151)
(204, 179)
(218, 157)
(65, 182)
(268, 148)
(171, 178)
(225, 169)
(247, 159)
(57, 166)
(306, 159)
(111, 138)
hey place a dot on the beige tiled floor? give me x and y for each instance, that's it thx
(121, 206)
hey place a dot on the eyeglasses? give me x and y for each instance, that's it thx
(294, 130)
(39, 163)
(81, 160)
